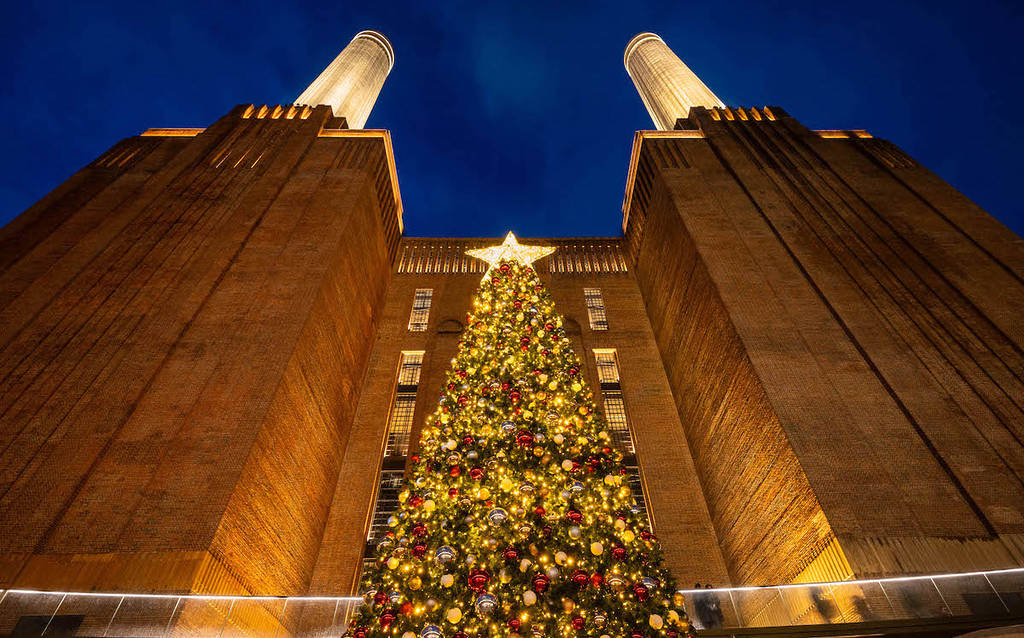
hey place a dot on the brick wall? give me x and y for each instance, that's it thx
(871, 303)
(181, 346)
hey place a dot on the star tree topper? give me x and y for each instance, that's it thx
(511, 250)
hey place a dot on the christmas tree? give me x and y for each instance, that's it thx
(516, 518)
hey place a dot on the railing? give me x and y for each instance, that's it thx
(989, 594)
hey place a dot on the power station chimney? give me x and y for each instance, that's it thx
(667, 86)
(352, 82)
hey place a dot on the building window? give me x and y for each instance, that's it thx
(611, 393)
(387, 504)
(420, 310)
(636, 485)
(400, 421)
(595, 308)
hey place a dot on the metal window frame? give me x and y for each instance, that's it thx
(419, 316)
(596, 312)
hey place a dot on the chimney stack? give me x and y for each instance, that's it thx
(667, 86)
(351, 83)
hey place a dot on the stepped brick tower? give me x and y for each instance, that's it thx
(860, 311)
(185, 326)
(217, 349)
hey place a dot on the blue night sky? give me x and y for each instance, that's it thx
(517, 115)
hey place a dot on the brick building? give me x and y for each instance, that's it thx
(217, 348)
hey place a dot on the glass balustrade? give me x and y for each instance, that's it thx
(987, 595)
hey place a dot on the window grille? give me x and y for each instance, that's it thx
(611, 393)
(420, 310)
(615, 414)
(595, 308)
(400, 421)
(636, 484)
(607, 366)
(387, 503)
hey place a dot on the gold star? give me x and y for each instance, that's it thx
(511, 250)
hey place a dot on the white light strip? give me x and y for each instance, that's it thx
(865, 581)
(110, 594)
(354, 599)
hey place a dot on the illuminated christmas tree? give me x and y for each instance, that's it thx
(517, 518)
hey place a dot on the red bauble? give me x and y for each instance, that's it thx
(406, 608)
(511, 554)
(540, 583)
(545, 352)
(619, 553)
(451, 386)
(539, 510)
(419, 530)
(416, 501)
(538, 287)
(577, 622)
(573, 371)
(379, 598)
(460, 634)
(514, 624)
(517, 304)
(574, 515)
(636, 634)
(503, 268)
(495, 280)
(580, 578)
(415, 458)
(467, 440)
(463, 399)
(640, 592)
(514, 395)
(387, 618)
(646, 535)
(453, 492)
(476, 473)
(596, 579)
(549, 327)
(505, 387)
(454, 470)
(547, 531)
(418, 550)
(462, 373)
(524, 438)
(478, 579)
(361, 632)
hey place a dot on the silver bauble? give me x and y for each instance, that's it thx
(486, 604)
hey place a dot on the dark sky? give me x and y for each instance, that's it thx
(517, 115)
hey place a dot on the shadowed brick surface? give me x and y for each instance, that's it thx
(180, 355)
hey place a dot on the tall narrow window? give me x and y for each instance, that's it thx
(387, 504)
(420, 310)
(595, 308)
(618, 425)
(400, 421)
(636, 485)
(611, 393)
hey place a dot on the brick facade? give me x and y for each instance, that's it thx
(818, 341)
